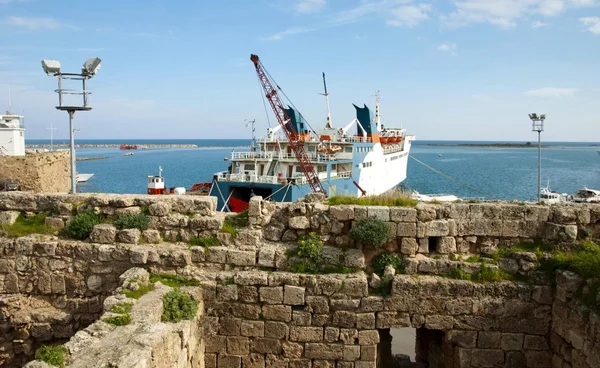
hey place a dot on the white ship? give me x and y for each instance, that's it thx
(365, 157)
(82, 178)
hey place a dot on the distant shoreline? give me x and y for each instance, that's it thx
(139, 146)
(488, 145)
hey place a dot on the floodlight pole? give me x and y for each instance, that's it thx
(537, 125)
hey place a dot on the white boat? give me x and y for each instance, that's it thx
(434, 197)
(550, 197)
(128, 154)
(82, 178)
(365, 157)
(586, 195)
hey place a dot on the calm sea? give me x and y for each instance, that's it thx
(492, 173)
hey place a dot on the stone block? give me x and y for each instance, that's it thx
(301, 318)
(392, 320)
(250, 277)
(511, 341)
(406, 229)
(266, 257)
(353, 258)
(439, 322)
(248, 294)
(241, 258)
(487, 358)
(252, 360)
(344, 319)
(229, 326)
(217, 255)
(299, 223)
(535, 343)
(317, 304)
(293, 295)
(103, 234)
(381, 213)
(266, 346)
(276, 330)
(282, 313)
(55, 223)
(332, 334)
(151, 236)
(538, 359)
(446, 245)
(271, 295)
(409, 246)
(368, 352)
(229, 361)
(292, 350)
(465, 339)
(365, 364)
(342, 213)
(351, 352)
(403, 214)
(368, 337)
(344, 304)
(8, 217)
(252, 328)
(138, 255)
(306, 334)
(489, 340)
(324, 351)
(365, 321)
(227, 292)
(238, 345)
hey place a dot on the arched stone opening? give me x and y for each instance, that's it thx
(413, 348)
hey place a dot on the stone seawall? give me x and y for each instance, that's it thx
(256, 314)
(47, 172)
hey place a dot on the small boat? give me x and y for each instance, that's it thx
(586, 195)
(226, 159)
(550, 197)
(598, 152)
(128, 146)
(82, 178)
(434, 197)
(439, 155)
(128, 154)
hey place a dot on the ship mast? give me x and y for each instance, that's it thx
(377, 112)
(328, 122)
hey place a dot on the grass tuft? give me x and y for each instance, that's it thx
(136, 294)
(53, 355)
(173, 281)
(122, 308)
(393, 199)
(122, 320)
(177, 306)
(24, 226)
(132, 221)
(205, 241)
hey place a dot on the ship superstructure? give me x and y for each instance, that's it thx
(362, 158)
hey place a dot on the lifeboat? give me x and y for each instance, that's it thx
(201, 188)
(384, 140)
(394, 139)
(329, 149)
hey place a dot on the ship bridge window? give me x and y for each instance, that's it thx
(311, 148)
(348, 149)
(249, 167)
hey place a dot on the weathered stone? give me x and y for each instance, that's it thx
(55, 223)
(342, 213)
(299, 223)
(159, 209)
(129, 236)
(266, 346)
(306, 334)
(276, 330)
(403, 214)
(381, 213)
(324, 351)
(344, 319)
(317, 304)
(409, 246)
(465, 339)
(277, 313)
(241, 258)
(487, 358)
(151, 236)
(489, 340)
(8, 217)
(104, 234)
(293, 295)
(368, 337)
(271, 295)
(392, 320)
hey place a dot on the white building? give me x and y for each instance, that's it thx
(12, 135)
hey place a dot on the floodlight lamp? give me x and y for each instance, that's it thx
(91, 66)
(543, 117)
(51, 67)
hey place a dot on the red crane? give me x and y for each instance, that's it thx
(295, 140)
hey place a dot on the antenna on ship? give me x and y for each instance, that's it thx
(377, 112)
(253, 143)
(328, 122)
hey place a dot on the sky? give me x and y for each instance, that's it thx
(445, 69)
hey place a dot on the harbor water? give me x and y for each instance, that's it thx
(442, 167)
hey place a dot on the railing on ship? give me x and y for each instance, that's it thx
(281, 156)
(347, 139)
(266, 179)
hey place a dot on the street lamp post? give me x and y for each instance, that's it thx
(89, 69)
(537, 125)
(253, 144)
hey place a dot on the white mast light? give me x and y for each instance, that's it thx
(51, 66)
(91, 66)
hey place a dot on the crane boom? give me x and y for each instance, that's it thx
(294, 139)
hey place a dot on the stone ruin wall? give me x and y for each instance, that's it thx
(45, 172)
(52, 287)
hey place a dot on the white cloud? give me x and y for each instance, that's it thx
(552, 92)
(34, 24)
(506, 13)
(409, 15)
(448, 47)
(309, 6)
(538, 24)
(344, 17)
(592, 24)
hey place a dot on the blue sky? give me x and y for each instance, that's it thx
(464, 69)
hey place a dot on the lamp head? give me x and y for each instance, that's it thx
(91, 66)
(533, 116)
(543, 117)
(51, 67)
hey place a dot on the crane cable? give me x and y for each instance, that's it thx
(263, 97)
(452, 179)
(288, 99)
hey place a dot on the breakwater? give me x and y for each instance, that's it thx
(91, 158)
(139, 146)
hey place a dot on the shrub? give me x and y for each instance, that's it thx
(173, 281)
(130, 221)
(53, 355)
(24, 226)
(233, 223)
(82, 224)
(177, 306)
(205, 241)
(380, 262)
(122, 320)
(310, 247)
(372, 233)
(457, 273)
(488, 274)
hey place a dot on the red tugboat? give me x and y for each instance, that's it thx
(128, 147)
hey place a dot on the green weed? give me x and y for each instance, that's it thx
(52, 354)
(132, 221)
(387, 199)
(82, 224)
(380, 262)
(372, 233)
(206, 241)
(122, 320)
(122, 308)
(136, 294)
(24, 226)
(173, 281)
(178, 306)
